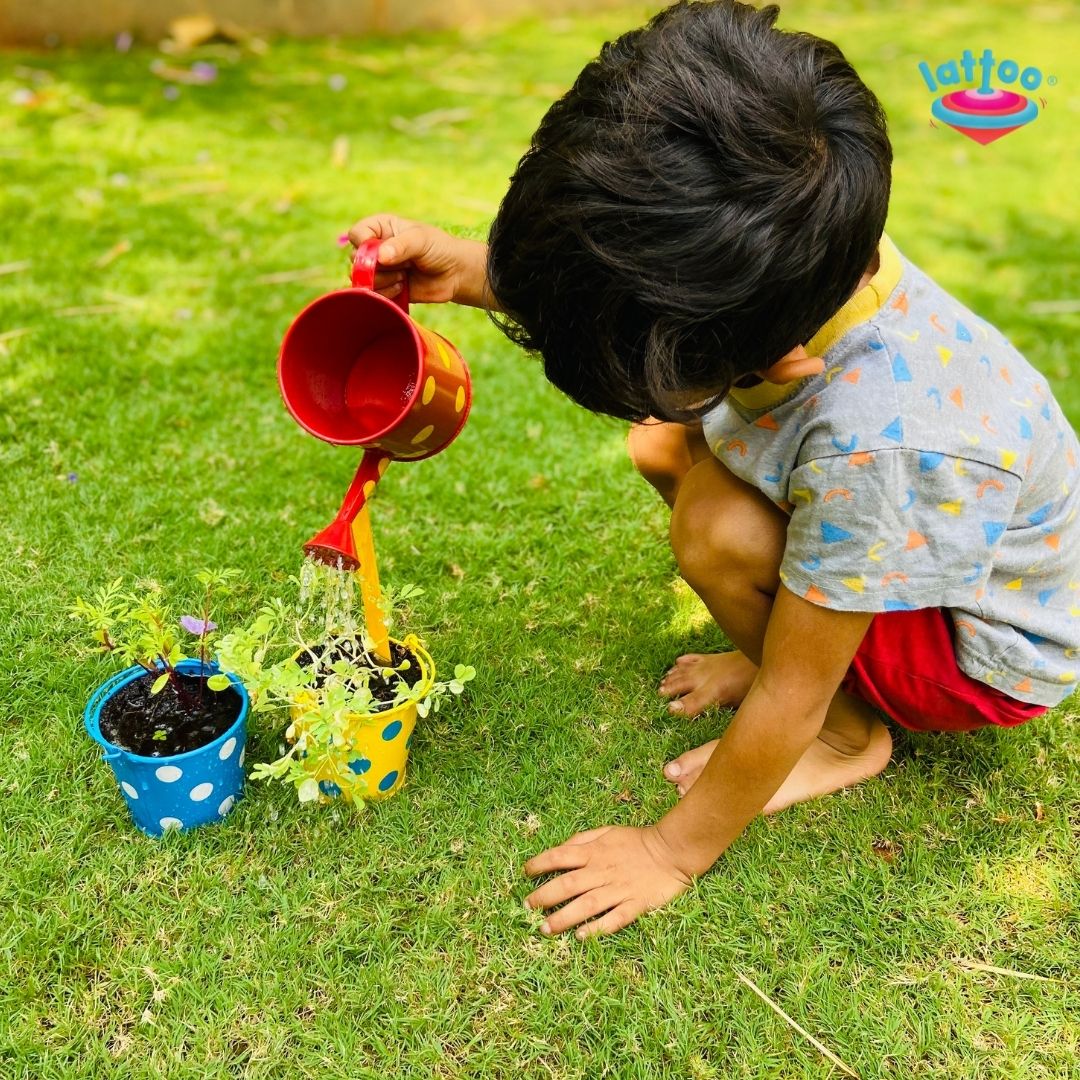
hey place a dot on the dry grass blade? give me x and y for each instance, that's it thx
(818, 1045)
(11, 335)
(205, 187)
(1054, 307)
(429, 121)
(15, 267)
(339, 152)
(90, 309)
(974, 965)
(121, 247)
(283, 277)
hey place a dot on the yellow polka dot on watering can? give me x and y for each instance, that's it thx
(384, 464)
(444, 356)
(423, 435)
(369, 487)
(429, 390)
(459, 401)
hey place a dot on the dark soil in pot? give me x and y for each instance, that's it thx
(381, 689)
(165, 724)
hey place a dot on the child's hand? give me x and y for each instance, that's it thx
(441, 267)
(614, 875)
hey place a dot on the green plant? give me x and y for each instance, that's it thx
(315, 664)
(138, 627)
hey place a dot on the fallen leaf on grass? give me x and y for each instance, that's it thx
(624, 796)
(199, 74)
(885, 849)
(15, 267)
(191, 30)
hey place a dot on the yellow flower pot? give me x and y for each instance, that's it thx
(372, 765)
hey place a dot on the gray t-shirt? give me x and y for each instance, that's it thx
(929, 466)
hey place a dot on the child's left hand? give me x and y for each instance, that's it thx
(613, 875)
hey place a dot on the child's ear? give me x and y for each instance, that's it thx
(796, 365)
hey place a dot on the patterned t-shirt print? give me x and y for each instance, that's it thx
(928, 466)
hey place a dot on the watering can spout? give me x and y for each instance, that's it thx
(336, 543)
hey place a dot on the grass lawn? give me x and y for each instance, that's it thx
(141, 434)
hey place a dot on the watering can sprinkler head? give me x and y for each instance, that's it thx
(356, 370)
(336, 544)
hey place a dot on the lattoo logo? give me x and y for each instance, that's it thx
(986, 113)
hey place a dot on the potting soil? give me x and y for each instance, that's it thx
(168, 723)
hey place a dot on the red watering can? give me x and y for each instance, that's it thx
(356, 370)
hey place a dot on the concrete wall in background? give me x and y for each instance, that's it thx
(37, 22)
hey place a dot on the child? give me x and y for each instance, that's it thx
(873, 492)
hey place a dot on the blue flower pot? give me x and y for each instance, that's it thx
(183, 791)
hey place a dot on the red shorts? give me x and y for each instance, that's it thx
(906, 667)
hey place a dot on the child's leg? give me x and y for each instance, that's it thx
(729, 542)
(664, 453)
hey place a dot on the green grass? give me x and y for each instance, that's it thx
(299, 943)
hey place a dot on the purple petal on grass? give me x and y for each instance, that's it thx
(170, 92)
(72, 477)
(196, 626)
(343, 240)
(203, 72)
(123, 41)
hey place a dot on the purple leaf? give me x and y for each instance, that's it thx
(196, 626)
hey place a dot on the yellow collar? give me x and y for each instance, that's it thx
(858, 308)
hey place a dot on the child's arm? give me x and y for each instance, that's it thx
(616, 874)
(441, 267)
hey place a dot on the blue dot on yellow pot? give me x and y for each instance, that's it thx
(388, 781)
(360, 765)
(391, 730)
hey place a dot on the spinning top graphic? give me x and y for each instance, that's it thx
(984, 115)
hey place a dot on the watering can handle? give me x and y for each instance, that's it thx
(365, 261)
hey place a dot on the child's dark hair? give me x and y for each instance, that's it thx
(702, 200)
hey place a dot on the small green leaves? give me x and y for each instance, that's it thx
(159, 684)
(308, 791)
(219, 682)
(462, 674)
(159, 735)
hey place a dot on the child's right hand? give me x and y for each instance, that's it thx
(441, 267)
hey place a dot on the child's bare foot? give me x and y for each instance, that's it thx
(699, 680)
(853, 746)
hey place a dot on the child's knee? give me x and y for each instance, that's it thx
(720, 522)
(663, 453)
